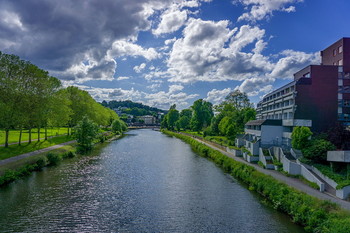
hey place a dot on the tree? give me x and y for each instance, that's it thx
(86, 132)
(172, 117)
(202, 114)
(339, 135)
(239, 100)
(183, 122)
(117, 126)
(301, 137)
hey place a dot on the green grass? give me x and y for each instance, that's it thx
(14, 134)
(14, 150)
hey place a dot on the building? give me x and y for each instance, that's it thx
(148, 120)
(318, 97)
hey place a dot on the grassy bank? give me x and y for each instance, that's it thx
(14, 150)
(14, 134)
(24, 167)
(315, 215)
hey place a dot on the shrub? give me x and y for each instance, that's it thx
(71, 154)
(53, 159)
(317, 151)
(41, 163)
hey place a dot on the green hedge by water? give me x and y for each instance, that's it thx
(314, 214)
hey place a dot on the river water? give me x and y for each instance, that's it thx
(144, 182)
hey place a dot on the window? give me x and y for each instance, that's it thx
(334, 52)
(307, 75)
(340, 49)
(340, 62)
(340, 82)
(340, 110)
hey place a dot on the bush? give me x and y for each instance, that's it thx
(53, 159)
(317, 151)
(41, 163)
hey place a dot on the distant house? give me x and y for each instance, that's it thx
(148, 120)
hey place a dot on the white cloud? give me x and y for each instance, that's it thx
(217, 96)
(175, 88)
(122, 78)
(260, 9)
(292, 61)
(122, 48)
(256, 86)
(139, 68)
(210, 51)
(171, 21)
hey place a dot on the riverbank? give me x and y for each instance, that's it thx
(314, 214)
(20, 166)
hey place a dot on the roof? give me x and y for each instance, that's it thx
(265, 122)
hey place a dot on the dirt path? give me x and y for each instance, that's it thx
(292, 182)
(26, 155)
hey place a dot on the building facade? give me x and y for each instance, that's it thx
(318, 97)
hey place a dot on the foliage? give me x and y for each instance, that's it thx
(314, 214)
(340, 179)
(317, 150)
(202, 114)
(339, 135)
(300, 137)
(53, 159)
(129, 107)
(85, 133)
(172, 117)
(117, 126)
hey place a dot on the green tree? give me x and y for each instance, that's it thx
(202, 114)
(86, 132)
(183, 122)
(239, 100)
(301, 137)
(172, 117)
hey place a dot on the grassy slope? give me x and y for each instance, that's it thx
(14, 134)
(14, 150)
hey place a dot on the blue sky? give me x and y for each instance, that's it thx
(161, 52)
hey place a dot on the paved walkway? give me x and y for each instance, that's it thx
(26, 155)
(292, 182)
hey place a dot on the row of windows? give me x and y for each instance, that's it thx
(280, 116)
(279, 105)
(278, 94)
(338, 63)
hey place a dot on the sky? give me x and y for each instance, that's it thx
(164, 52)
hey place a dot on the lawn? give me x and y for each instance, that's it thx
(14, 134)
(14, 150)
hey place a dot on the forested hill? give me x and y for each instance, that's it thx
(129, 107)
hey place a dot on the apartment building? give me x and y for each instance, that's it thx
(318, 97)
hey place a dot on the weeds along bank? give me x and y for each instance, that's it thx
(314, 214)
(21, 169)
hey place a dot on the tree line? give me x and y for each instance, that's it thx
(31, 98)
(229, 118)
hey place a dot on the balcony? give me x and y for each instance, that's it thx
(297, 122)
(253, 132)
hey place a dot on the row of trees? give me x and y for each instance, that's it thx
(232, 114)
(31, 98)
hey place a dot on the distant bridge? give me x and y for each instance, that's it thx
(154, 127)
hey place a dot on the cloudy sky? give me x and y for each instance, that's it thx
(161, 52)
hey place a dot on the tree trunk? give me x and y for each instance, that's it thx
(30, 135)
(38, 134)
(68, 131)
(45, 133)
(7, 137)
(20, 137)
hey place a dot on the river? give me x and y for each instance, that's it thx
(144, 182)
